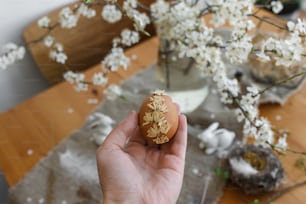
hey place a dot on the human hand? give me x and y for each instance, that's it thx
(131, 171)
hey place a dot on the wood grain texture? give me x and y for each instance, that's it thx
(85, 45)
(43, 121)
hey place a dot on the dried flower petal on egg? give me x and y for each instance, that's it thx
(158, 118)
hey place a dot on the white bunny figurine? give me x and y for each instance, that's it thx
(214, 139)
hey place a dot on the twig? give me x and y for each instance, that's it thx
(189, 66)
(296, 152)
(283, 191)
(44, 35)
(141, 5)
(280, 82)
(236, 101)
(269, 22)
(263, 19)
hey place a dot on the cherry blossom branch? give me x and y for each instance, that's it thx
(50, 28)
(264, 19)
(236, 102)
(267, 21)
(280, 82)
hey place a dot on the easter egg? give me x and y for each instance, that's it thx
(158, 118)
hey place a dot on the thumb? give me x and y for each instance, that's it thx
(123, 131)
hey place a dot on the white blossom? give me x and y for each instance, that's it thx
(299, 27)
(44, 22)
(264, 134)
(67, 18)
(111, 13)
(59, 47)
(48, 41)
(129, 37)
(85, 11)
(99, 79)
(70, 76)
(282, 143)
(10, 53)
(112, 92)
(285, 51)
(230, 11)
(277, 6)
(80, 82)
(59, 57)
(141, 20)
(159, 10)
(129, 4)
(262, 56)
(81, 86)
(76, 78)
(115, 59)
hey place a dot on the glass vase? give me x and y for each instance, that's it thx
(185, 83)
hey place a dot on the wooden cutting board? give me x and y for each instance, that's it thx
(85, 44)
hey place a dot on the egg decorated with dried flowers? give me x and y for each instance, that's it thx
(158, 118)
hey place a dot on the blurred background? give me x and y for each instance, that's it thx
(21, 80)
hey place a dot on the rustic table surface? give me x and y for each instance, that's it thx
(31, 129)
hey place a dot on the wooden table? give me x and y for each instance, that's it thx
(46, 119)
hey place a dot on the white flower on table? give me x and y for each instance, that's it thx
(69, 76)
(115, 59)
(99, 79)
(87, 12)
(67, 18)
(112, 92)
(10, 53)
(129, 37)
(80, 86)
(57, 54)
(44, 22)
(277, 6)
(78, 79)
(111, 13)
(48, 41)
(59, 57)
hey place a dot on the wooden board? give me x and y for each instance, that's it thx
(43, 121)
(85, 44)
